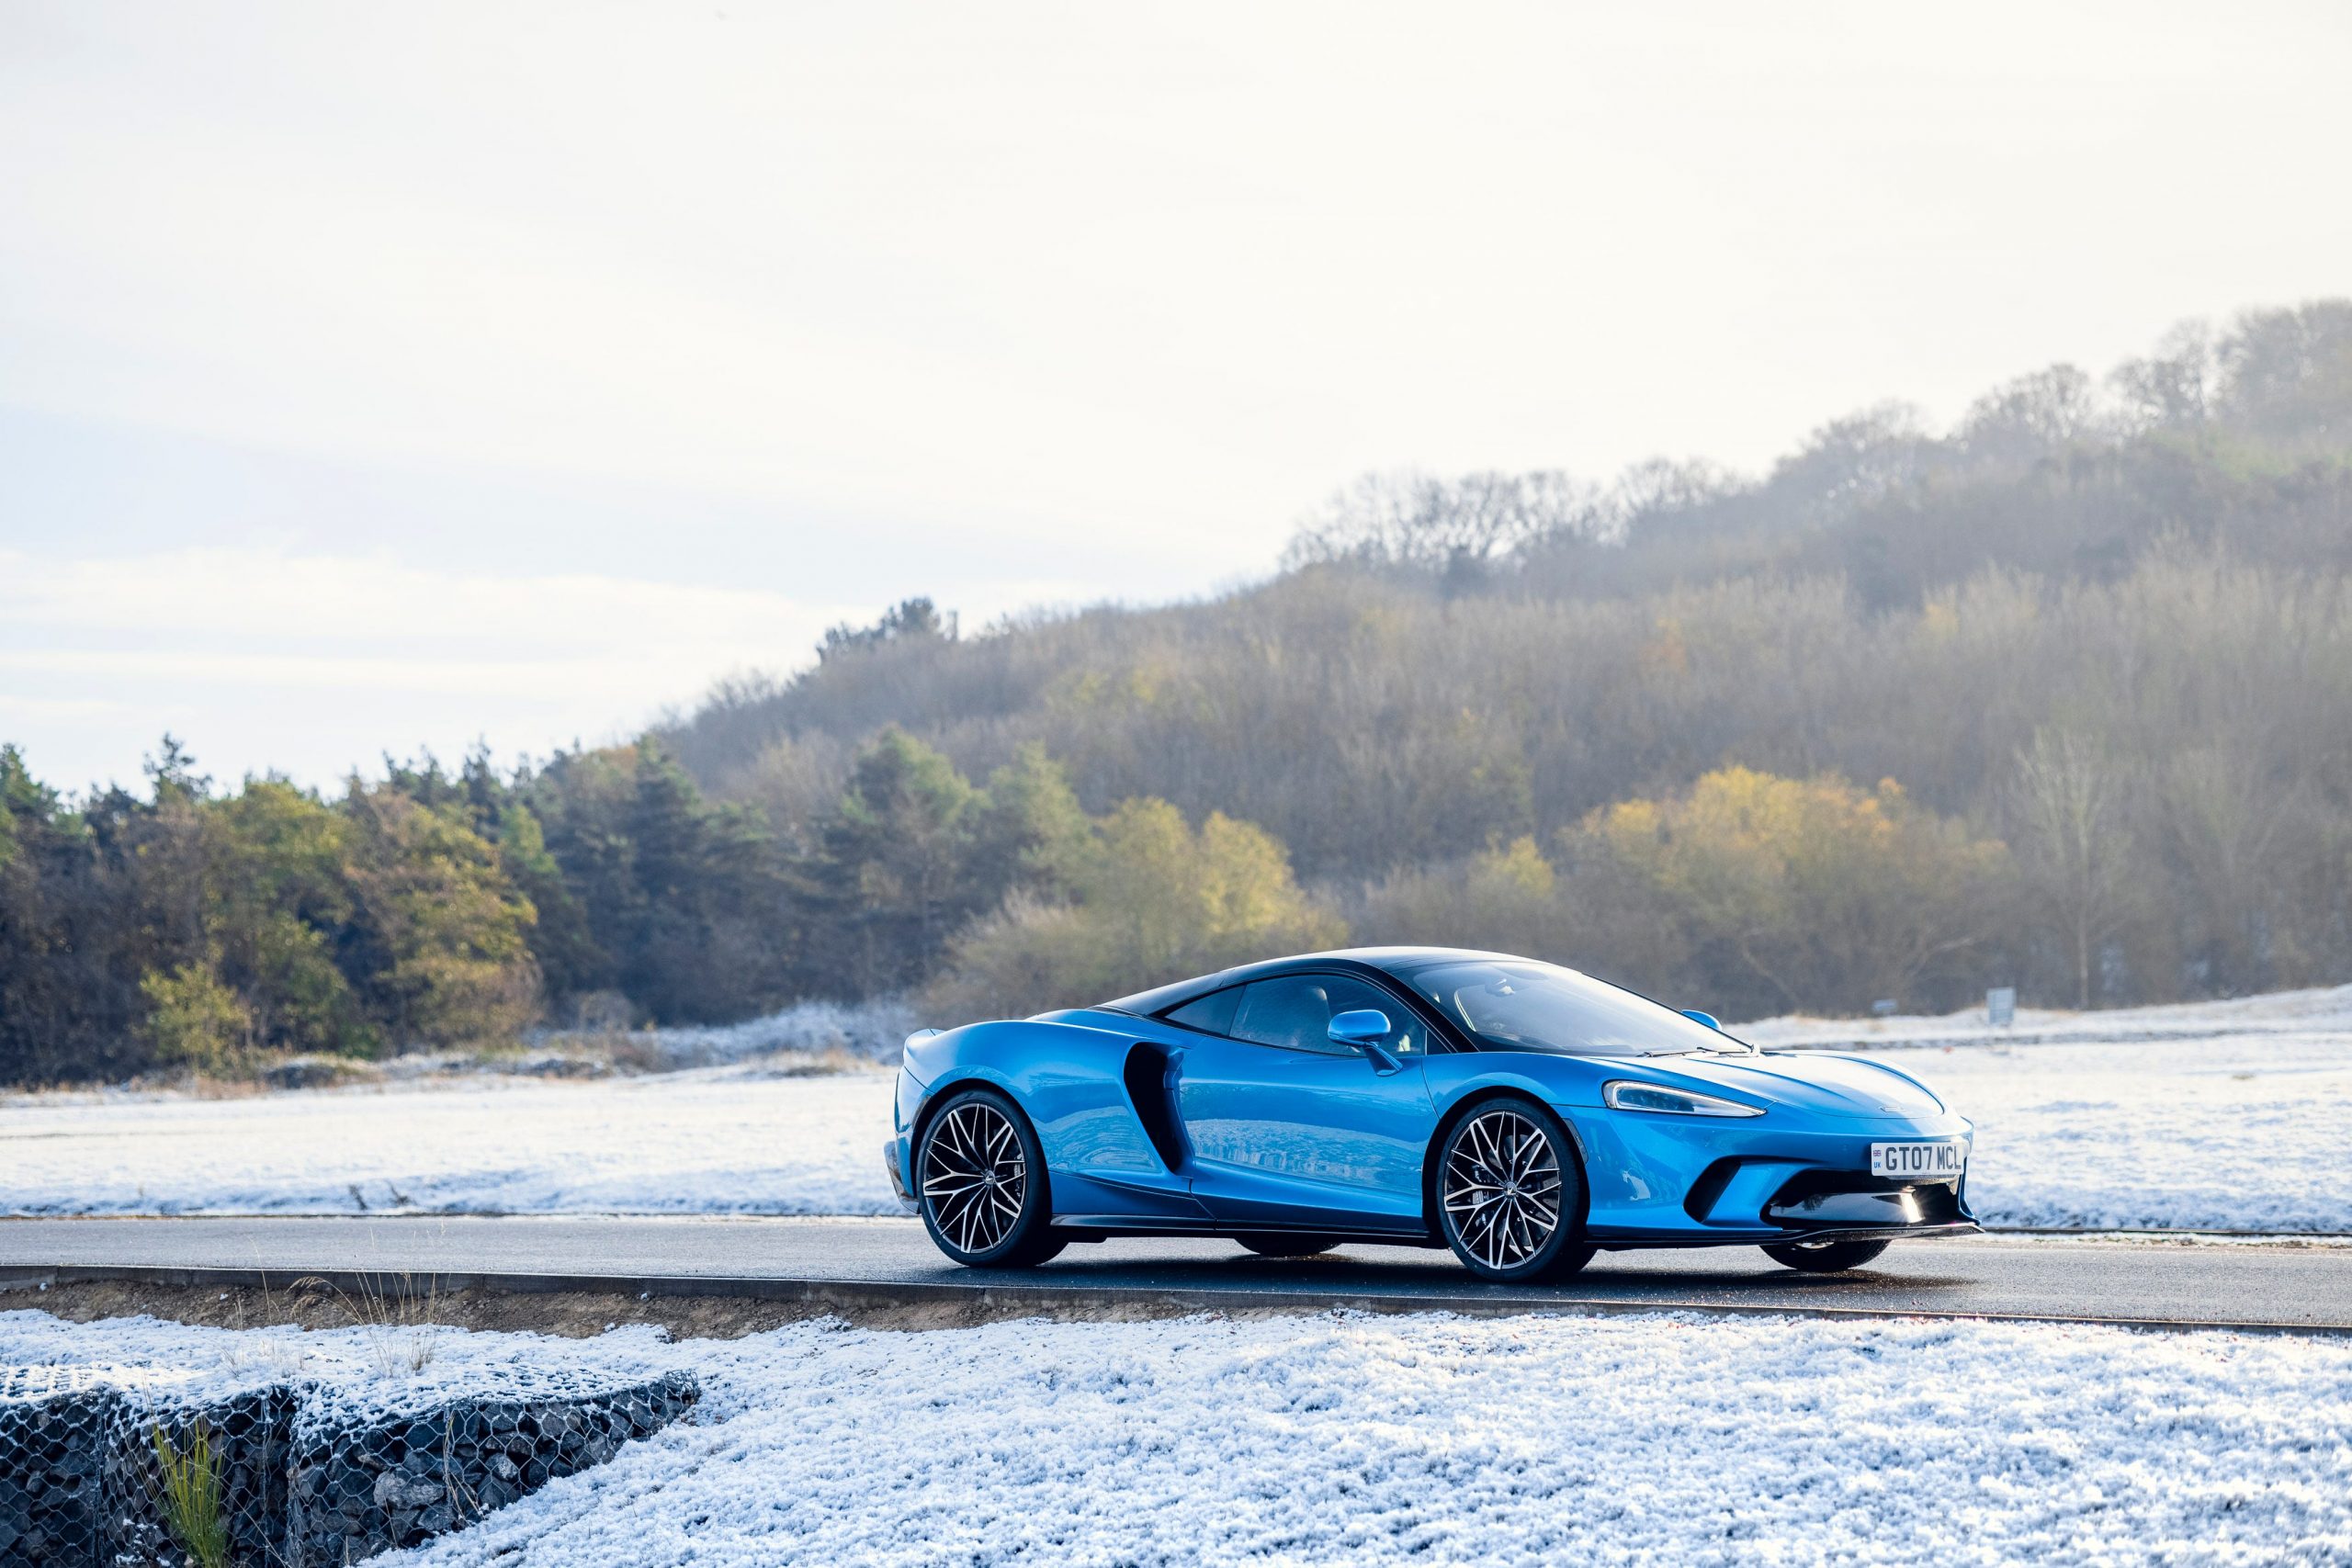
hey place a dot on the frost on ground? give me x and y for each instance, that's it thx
(2224, 1115)
(394, 1361)
(873, 1031)
(2240, 1132)
(1665, 1438)
(2326, 1012)
(716, 1141)
(2209, 1115)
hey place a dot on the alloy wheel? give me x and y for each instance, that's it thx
(975, 1177)
(1501, 1188)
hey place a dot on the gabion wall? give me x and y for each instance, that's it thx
(310, 1475)
(248, 1433)
(53, 1423)
(366, 1483)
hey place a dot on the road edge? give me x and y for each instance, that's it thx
(998, 1298)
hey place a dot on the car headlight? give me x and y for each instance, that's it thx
(1625, 1094)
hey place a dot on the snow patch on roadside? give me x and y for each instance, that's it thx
(875, 1031)
(1668, 1438)
(2235, 1133)
(2326, 1011)
(718, 1141)
(368, 1369)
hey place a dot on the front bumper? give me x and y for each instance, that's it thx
(1821, 1198)
(1658, 1180)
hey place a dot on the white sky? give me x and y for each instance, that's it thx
(378, 376)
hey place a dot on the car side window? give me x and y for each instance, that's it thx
(1295, 1012)
(1212, 1014)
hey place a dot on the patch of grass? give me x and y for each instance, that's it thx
(188, 1492)
(270, 1350)
(395, 1313)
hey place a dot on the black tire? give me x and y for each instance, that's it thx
(1275, 1245)
(1828, 1255)
(980, 1184)
(1509, 1193)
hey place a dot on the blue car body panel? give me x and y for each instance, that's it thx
(1148, 1126)
(1297, 1138)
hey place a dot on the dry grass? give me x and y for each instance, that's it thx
(400, 1317)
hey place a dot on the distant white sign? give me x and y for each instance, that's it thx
(2001, 1004)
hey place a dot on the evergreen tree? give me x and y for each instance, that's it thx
(892, 876)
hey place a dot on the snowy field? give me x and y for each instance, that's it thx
(2209, 1115)
(2226, 1116)
(2326, 1012)
(2236, 1133)
(1665, 1438)
(725, 1140)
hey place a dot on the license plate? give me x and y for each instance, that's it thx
(1925, 1162)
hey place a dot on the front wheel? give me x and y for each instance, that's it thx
(979, 1183)
(1509, 1195)
(1826, 1257)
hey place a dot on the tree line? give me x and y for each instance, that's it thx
(2061, 698)
(185, 926)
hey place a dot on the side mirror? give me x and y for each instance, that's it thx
(1695, 1015)
(1363, 1029)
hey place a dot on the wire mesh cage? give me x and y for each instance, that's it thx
(366, 1478)
(192, 1479)
(114, 1466)
(53, 1422)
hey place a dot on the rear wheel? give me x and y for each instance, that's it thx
(1828, 1255)
(979, 1183)
(1276, 1246)
(1510, 1199)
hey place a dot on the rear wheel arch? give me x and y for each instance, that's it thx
(947, 1090)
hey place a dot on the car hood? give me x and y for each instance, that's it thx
(1819, 1081)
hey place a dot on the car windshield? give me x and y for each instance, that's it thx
(1519, 1005)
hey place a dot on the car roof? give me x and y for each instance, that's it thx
(1384, 960)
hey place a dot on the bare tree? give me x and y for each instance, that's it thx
(2172, 387)
(1858, 459)
(2288, 372)
(1416, 519)
(2067, 798)
(2032, 415)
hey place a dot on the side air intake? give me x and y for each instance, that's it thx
(1146, 1080)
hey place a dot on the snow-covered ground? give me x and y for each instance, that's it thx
(2206, 1115)
(2225, 1116)
(2326, 1012)
(2236, 1133)
(400, 1361)
(872, 1030)
(725, 1140)
(1665, 1438)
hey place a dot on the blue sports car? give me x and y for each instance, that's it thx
(1523, 1114)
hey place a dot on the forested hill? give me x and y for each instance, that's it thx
(2102, 622)
(2211, 452)
(2062, 697)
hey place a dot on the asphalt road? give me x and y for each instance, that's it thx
(889, 1261)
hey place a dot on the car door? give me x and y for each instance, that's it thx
(1286, 1127)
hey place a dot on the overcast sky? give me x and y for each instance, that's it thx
(380, 377)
